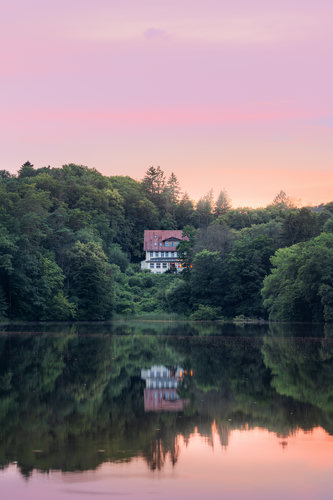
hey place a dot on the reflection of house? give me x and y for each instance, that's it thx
(161, 250)
(160, 393)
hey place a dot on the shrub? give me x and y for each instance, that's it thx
(205, 313)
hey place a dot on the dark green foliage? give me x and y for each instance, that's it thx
(186, 247)
(205, 313)
(118, 257)
(328, 226)
(184, 212)
(300, 285)
(3, 304)
(215, 238)
(90, 281)
(139, 214)
(206, 280)
(71, 241)
(178, 296)
(204, 210)
(246, 266)
(299, 225)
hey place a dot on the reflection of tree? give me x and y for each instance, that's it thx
(303, 370)
(72, 396)
(160, 448)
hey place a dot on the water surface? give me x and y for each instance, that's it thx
(154, 410)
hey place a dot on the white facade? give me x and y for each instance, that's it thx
(159, 262)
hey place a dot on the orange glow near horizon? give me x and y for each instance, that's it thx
(228, 95)
(256, 464)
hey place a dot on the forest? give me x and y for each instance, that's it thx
(71, 240)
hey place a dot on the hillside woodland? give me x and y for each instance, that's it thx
(71, 241)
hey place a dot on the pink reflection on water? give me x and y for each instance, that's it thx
(254, 465)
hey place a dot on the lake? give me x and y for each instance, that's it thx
(166, 410)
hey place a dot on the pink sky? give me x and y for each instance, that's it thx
(235, 95)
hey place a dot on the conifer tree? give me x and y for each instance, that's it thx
(222, 204)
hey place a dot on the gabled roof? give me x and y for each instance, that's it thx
(159, 236)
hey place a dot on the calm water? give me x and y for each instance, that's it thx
(156, 410)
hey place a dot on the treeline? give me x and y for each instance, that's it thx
(71, 240)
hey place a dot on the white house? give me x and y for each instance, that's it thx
(160, 247)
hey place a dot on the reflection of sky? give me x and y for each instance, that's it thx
(255, 465)
(237, 89)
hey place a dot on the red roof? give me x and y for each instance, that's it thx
(159, 236)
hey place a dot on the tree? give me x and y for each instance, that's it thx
(27, 170)
(90, 281)
(206, 279)
(118, 257)
(154, 181)
(245, 268)
(177, 296)
(215, 238)
(3, 304)
(328, 226)
(222, 204)
(186, 248)
(140, 213)
(283, 201)
(238, 218)
(173, 189)
(4, 175)
(204, 210)
(299, 225)
(299, 287)
(171, 197)
(184, 212)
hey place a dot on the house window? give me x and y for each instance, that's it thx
(155, 235)
(152, 265)
(175, 254)
(160, 244)
(155, 244)
(156, 254)
(158, 264)
(151, 254)
(165, 265)
(162, 254)
(166, 243)
(166, 254)
(172, 254)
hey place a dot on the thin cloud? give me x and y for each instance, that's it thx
(155, 34)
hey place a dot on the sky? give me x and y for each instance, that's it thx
(233, 95)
